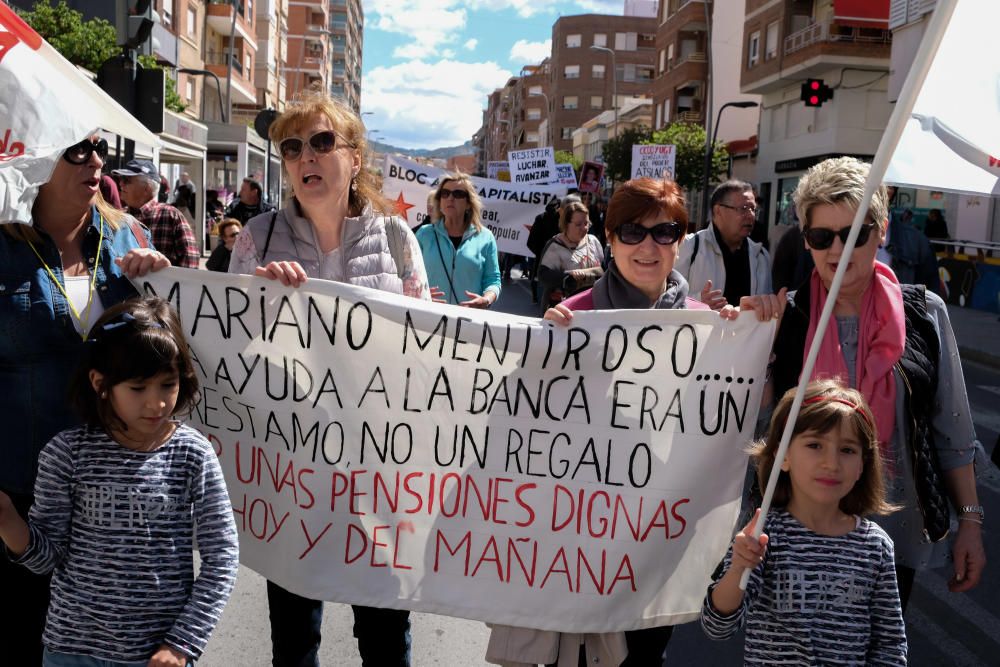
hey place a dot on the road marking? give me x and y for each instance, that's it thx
(958, 655)
(993, 389)
(961, 604)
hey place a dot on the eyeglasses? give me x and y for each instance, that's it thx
(743, 210)
(664, 233)
(819, 238)
(457, 194)
(322, 143)
(81, 152)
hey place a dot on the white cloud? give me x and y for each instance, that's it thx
(426, 25)
(471, 44)
(426, 105)
(524, 51)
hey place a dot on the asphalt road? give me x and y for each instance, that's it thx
(943, 628)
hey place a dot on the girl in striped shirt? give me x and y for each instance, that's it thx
(822, 587)
(120, 500)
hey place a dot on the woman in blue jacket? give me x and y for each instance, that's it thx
(460, 254)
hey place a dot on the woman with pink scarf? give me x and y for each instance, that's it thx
(895, 344)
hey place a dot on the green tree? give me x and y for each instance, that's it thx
(618, 152)
(83, 43)
(171, 99)
(565, 157)
(689, 167)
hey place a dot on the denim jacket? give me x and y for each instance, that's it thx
(40, 347)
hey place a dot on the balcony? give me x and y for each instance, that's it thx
(218, 63)
(219, 17)
(688, 15)
(819, 33)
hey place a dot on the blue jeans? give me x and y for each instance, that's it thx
(383, 634)
(54, 659)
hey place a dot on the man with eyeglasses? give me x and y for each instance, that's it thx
(172, 235)
(722, 261)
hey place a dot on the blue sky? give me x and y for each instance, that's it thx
(429, 64)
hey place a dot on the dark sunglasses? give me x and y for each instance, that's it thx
(664, 233)
(821, 239)
(322, 143)
(457, 194)
(81, 152)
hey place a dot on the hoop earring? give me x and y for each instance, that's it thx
(104, 395)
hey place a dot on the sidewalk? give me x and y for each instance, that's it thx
(978, 335)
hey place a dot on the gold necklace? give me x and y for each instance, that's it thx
(62, 290)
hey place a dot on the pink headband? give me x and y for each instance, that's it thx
(843, 401)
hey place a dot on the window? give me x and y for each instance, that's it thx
(573, 41)
(570, 102)
(753, 49)
(597, 71)
(626, 41)
(644, 73)
(670, 51)
(626, 72)
(771, 43)
(192, 22)
(534, 114)
(596, 101)
(534, 90)
(189, 89)
(567, 132)
(600, 39)
(571, 71)
(168, 13)
(532, 137)
(659, 116)
(663, 60)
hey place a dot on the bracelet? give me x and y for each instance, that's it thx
(971, 518)
(973, 509)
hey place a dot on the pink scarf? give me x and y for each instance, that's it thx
(881, 335)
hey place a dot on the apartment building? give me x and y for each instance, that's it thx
(346, 41)
(497, 130)
(844, 42)
(529, 102)
(309, 45)
(595, 58)
(272, 53)
(679, 90)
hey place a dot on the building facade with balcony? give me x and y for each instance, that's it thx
(230, 52)
(786, 42)
(497, 129)
(529, 94)
(309, 46)
(347, 21)
(679, 91)
(589, 138)
(583, 81)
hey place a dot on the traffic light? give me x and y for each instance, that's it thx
(134, 21)
(815, 92)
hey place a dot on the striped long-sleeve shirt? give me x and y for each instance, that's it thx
(117, 526)
(817, 599)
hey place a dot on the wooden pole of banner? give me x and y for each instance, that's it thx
(890, 139)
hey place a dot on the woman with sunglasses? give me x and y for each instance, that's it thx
(336, 226)
(645, 222)
(58, 275)
(459, 251)
(228, 230)
(571, 260)
(894, 343)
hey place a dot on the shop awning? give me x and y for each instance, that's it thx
(862, 13)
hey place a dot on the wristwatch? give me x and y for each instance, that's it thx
(973, 509)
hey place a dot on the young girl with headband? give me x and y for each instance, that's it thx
(822, 586)
(120, 500)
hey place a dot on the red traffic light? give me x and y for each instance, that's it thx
(815, 92)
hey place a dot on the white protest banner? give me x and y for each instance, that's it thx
(565, 175)
(952, 137)
(509, 210)
(390, 452)
(653, 160)
(532, 165)
(498, 170)
(47, 105)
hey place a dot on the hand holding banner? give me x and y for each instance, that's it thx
(397, 453)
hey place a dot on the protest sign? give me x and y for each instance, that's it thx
(653, 160)
(498, 170)
(509, 210)
(47, 105)
(591, 174)
(390, 452)
(532, 165)
(565, 175)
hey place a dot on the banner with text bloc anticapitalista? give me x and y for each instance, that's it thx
(390, 452)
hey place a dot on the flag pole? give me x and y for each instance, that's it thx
(880, 164)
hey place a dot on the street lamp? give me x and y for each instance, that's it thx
(205, 72)
(710, 150)
(548, 117)
(614, 82)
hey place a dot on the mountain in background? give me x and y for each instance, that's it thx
(443, 153)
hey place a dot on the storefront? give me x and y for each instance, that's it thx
(184, 150)
(236, 152)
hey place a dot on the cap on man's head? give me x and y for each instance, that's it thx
(138, 168)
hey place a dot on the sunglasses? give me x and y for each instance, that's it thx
(457, 194)
(821, 239)
(322, 143)
(664, 233)
(80, 153)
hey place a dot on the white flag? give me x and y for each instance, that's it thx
(952, 139)
(47, 105)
